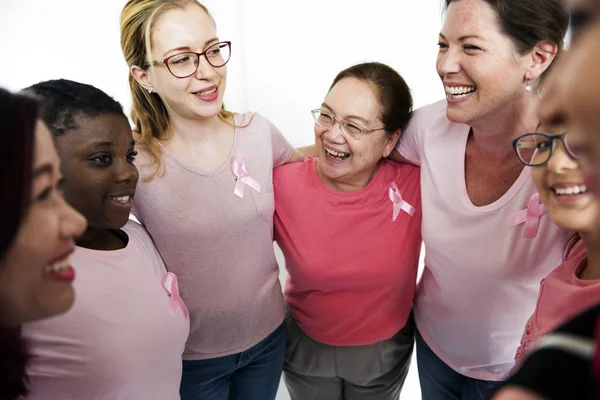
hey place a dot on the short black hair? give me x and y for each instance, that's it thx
(64, 100)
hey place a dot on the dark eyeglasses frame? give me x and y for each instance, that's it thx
(552, 138)
(166, 60)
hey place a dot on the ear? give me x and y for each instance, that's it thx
(141, 76)
(540, 58)
(390, 143)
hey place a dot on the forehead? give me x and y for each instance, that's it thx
(470, 17)
(190, 26)
(110, 127)
(351, 96)
(581, 67)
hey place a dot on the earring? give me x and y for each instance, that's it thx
(150, 91)
(528, 87)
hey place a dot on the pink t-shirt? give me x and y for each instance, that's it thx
(481, 275)
(119, 341)
(220, 245)
(562, 296)
(352, 268)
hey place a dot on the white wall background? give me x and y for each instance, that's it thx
(284, 55)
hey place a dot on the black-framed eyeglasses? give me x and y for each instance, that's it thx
(186, 64)
(326, 120)
(535, 149)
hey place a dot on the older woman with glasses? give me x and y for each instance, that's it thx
(349, 225)
(206, 198)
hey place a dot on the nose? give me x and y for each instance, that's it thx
(448, 62)
(560, 161)
(126, 172)
(204, 70)
(72, 223)
(334, 133)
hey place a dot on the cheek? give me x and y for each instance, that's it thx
(537, 176)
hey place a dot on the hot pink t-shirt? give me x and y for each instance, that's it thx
(352, 268)
(562, 296)
(119, 341)
(482, 275)
(220, 245)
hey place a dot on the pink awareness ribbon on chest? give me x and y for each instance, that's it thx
(169, 282)
(238, 166)
(530, 216)
(399, 203)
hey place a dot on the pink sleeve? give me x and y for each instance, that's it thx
(410, 144)
(282, 149)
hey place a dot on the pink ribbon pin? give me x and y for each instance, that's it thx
(399, 204)
(169, 282)
(238, 166)
(530, 216)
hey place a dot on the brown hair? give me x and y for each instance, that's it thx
(393, 93)
(528, 22)
(149, 114)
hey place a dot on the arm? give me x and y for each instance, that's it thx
(395, 156)
(308, 151)
(297, 156)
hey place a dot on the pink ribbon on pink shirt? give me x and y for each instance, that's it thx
(238, 166)
(399, 203)
(530, 216)
(169, 282)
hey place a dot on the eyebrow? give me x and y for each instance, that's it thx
(348, 116)
(99, 145)
(188, 48)
(43, 169)
(463, 38)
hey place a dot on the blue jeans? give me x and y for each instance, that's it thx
(440, 382)
(253, 374)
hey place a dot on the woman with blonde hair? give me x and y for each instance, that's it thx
(206, 198)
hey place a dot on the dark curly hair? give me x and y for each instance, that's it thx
(64, 100)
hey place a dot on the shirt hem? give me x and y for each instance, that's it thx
(263, 336)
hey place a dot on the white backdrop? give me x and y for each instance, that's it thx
(284, 54)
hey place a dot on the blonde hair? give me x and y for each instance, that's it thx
(149, 113)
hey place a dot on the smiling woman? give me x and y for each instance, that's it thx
(351, 238)
(89, 351)
(206, 198)
(485, 255)
(38, 228)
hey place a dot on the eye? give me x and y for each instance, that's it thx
(325, 118)
(102, 159)
(354, 130)
(471, 48)
(214, 52)
(544, 145)
(442, 45)
(180, 59)
(131, 156)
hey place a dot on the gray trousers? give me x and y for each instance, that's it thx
(317, 371)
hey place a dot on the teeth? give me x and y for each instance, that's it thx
(577, 189)
(208, 92)
(122, 199)
(58, 267)
(336, 154)
(457, 92)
